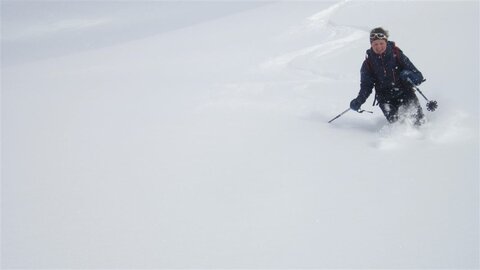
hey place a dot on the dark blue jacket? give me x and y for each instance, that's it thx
(383, 73)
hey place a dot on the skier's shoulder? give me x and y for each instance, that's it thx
(368, 53)
(394, 47)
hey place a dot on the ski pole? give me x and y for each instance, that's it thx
(344, 112)
(418, 90)
(432, 105)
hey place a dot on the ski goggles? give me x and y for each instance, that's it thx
(375, 36)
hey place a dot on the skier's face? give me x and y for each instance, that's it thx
(379, 46)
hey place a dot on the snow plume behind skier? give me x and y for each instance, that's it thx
(387, 69)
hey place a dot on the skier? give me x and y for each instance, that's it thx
(393, 75)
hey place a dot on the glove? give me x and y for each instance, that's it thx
(409, 78)
(355, 104)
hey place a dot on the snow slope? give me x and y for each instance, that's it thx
(206, 144)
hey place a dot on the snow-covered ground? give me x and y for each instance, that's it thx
(195, 135)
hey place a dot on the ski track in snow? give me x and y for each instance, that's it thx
(299, 67)
(322, 18)
(337, 37)
(316, 51)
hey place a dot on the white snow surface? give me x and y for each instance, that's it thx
(195, 135)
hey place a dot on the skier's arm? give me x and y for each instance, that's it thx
(366, 86)
(409, 71)
(366, 82)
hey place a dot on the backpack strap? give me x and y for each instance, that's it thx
(369, 63)
(370, 68)
(397, 53)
